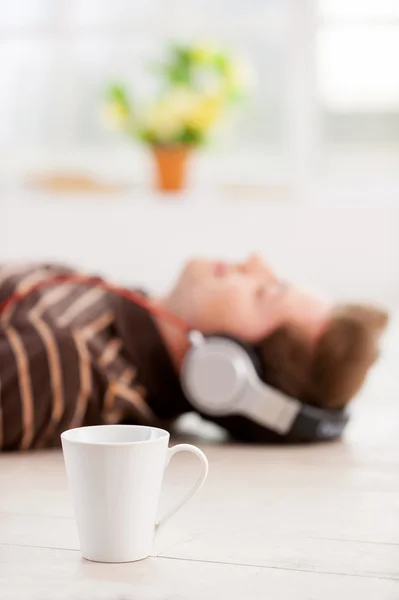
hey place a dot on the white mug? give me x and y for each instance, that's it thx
(115, 476)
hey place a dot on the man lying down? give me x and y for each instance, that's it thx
(74, 354)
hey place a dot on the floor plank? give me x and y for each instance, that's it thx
(303, 522)
(40, 574)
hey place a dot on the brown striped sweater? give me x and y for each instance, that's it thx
(71, 355)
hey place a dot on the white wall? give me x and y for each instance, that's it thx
(349, 248)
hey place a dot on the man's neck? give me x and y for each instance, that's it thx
(176, 341)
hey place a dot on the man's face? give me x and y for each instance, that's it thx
(238, 299)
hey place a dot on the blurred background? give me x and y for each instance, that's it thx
(307, 172)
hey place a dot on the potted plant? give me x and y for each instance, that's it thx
(197, 83)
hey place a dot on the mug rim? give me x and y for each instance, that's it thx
(65, 435)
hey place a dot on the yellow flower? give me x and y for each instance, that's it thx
(203, 53)
(114, 116)
(167, 117)
(239, 77)
(182, 108)
(204, 113)
(161, 124)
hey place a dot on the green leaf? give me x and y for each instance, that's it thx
(116, 91)
(191, 136)
(221, 62)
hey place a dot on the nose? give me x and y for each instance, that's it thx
(254, 264)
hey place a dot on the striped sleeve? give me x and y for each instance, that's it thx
(46, 373)
(37, 401)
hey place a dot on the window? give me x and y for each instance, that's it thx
(358, 81)
(327, 95)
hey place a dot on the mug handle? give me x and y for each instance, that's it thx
(198, 484)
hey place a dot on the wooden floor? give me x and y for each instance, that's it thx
(318, 522)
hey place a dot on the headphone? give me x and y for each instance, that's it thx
(220, 378)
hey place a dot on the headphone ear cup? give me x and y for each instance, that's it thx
(214, 374)
(250, 350)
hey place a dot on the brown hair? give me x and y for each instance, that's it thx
(329, 375)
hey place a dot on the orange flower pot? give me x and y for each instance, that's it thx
(171, 166)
